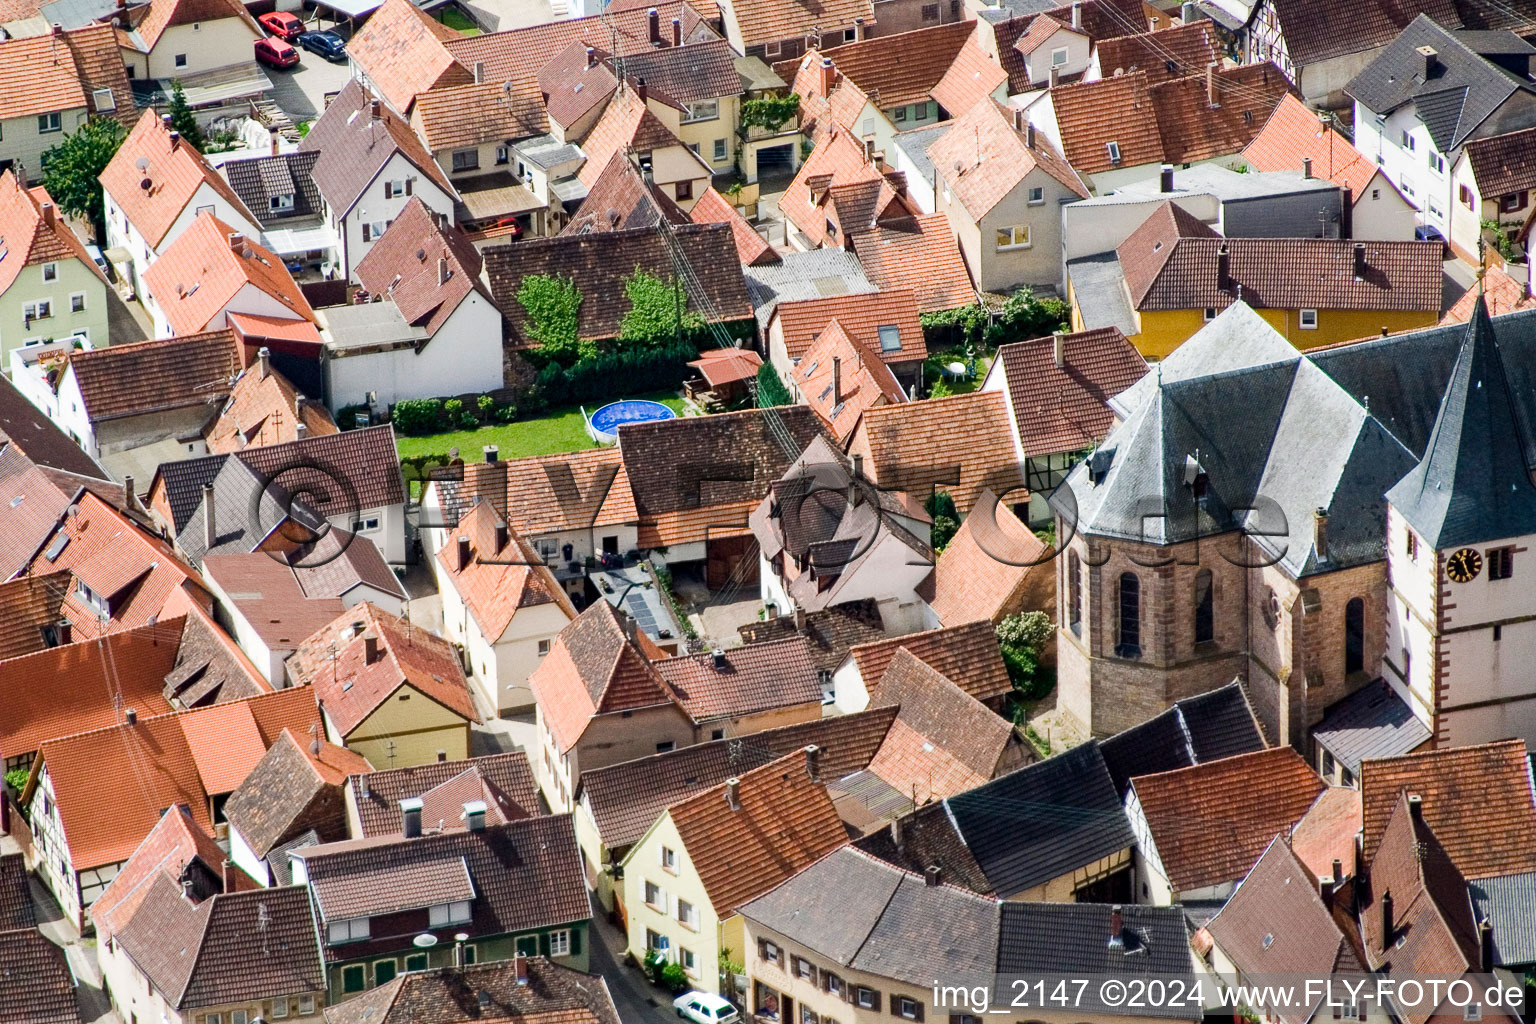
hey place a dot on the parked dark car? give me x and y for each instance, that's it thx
(327, 44)
(275, 53)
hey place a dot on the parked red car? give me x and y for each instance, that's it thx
(276, 54)
(282, 24)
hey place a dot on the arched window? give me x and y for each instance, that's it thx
(1074, 594)
(1130, 616)
(1354, 636)
(1205, 609)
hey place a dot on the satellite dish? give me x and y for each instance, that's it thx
(426, 940)
(142, 163)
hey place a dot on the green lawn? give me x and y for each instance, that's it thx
(453, 19)
(558, 430)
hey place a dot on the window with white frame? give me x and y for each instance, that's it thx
(440, 915)
(669, 859)
(280, 1008)
(907, 1008)
(214, 1018)
(466, 160)
(543, 647)
(1436, 162)
(655, 895)
(306, 1005)
(346, 930)
(281, 203)
(899, 114)
(890, 337)
(560, 942)
(869, 126)
(42, 309)
(416, 962)
(103, 100)
(1036, 195)
(374, 229)
(239, 1017)
(1309, 319)
(181, 60)
(367, 524)
(719, 150)
(1013, 237)
(47, 123)
(687, 914)
(77, 302)
(689, 960)
(1407, 141)
(1113, 149)
(701, 110)
(772, 49)
(866, 998)
(1059, 57)
(50, 271)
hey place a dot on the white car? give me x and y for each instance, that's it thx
(705, 1008)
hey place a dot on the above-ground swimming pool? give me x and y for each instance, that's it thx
(604, 424)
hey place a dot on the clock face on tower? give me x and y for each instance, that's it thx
(1464, 565)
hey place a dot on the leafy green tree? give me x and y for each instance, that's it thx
(553, 305)
(1022, 637)
(946, 520)
(183, 120)
(658, 310)
(770, 390)
(72, 169)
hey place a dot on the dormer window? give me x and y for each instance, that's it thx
(441, 915)
(282, 203)
(347, 930)
(1113, 148)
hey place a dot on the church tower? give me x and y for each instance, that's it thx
(1461, 553)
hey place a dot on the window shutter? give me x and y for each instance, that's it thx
(365, 231)
(814, 974)
(919, 1007)
(875, 1004)
(661, 859)
(575, 941)
(762, 950)
(408, 185)
(826, 982)
(544, 944)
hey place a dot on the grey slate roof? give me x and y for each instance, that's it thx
(1509, 904)
(804, 275)
(1099, 284)
(246, 509)
(1474, 483)
(1195, 730)
(1072, 939)
(1372, 722)
(867, 915)
(1043, 821)
(914, 145)
(257, 179)
(1456, 100)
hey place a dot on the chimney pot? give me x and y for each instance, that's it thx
(1359, 261)
(370, 647)
(1165, 178)
(1325, 890)
(934, 875)
(1116, 927)
(236, 241)
(210, 521)
(813, 762)
(263, 362)
(799, 619)
(130, 496)
(837, 381)
(1055, 78)
(1077, 15)
(653, 18)
(165, 121)
(1485, 946)
(521, 966)
(591, 57)
(175, 140)
(1060, 348)
(1416, 807)
(501, 537)
(48, 214)
(677, 31)
(463, 553)
(1306, 167)
(492, 452)
(130, 716)
(374, 110)
(228, 875)
(66, 631)
(717, 658)
(733, 794)
(1338, 870)
(474, 815)
(858, 28)
(898, 834)
(1386, 920)
(1320, 533)
(828, 76)
(410, 817)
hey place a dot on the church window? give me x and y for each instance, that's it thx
(1074, 594)
(1130, 616)
(1205, 611)
(1354, 636)
(1501, 563)
(1411, 544)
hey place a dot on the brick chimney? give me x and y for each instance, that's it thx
(828, 76)
(1320, 533)
(442, 270)
(677, 31)
(1416, 808)
(175, 141)
(1223, 268)
(591, 57)
(1429, 61)
(813, 762)
(837, 381)
(1325, 889)
(501, 537)
(653, 19)
(641, 90)
(1116, 927)
(236, 241)
(210, 526)
(463, 553)
(48, 214)
(370, 647)
(263, 362)
(1386, 920)
(1306, 168)
(934, 876)
(858, 28)
(1059, 339)
(733, 794)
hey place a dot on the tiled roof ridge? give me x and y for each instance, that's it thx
(151, 718)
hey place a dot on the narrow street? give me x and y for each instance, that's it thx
(636, 999)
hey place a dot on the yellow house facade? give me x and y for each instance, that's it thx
(1159, 332)
(409, 728)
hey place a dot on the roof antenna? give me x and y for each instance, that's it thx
(263, 919)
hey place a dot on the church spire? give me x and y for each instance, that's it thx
(1473, 484)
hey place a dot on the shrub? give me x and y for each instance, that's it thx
(1026, 631)
(346, 416)
(487, 406)
(467, 421)
(16, 778)
(452, 408)
(675, 978)
(506, 413)
(770, 390)
(418, 415)
(946, 520)
(1021, 638)
(940, 389)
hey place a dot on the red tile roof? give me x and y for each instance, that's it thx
(355, 137)
(106, 675)
(943, 740)
(175, 172)
(334, 661)
(862, 316)
(1192, 130)
(836, 165)
(968, 655)
(505, 782)
(776, 20)
(188, 12)
(176, 841)
(1327, 831)
(29, 235)
(599, 664)
(37, 76)
(1477, 799)
(108, 797)
(994, 157)
(745, 680)
(1503, 163)
(993, 566)
(628, 123)
(1040, 29)
(712, 208)
(1172, 53)
(727, 365)
(862, 381)
(971, 78)
(1294, 132)
(903, 68)
(495, 585)
(1502, 293)
(265, 408)
(1172, 261)
(1091, 115)
(106, 552)
(1211, 822)
(918, 446)
(27, 604)
(400, 48)
(1066, 408)
(149, 377)
(542, 494)
(408, 265)
(207, 265)
(782, 822)
(573, 86)
(620, 197)
(919, 254)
